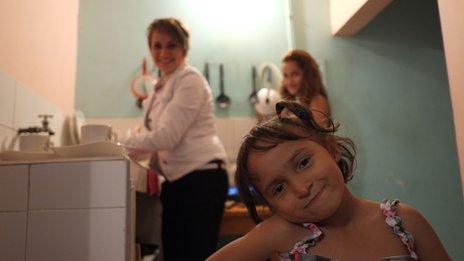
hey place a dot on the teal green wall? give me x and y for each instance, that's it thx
(388, 88)
(112, 43)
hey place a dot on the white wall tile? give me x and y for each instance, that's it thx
(120, 125)
(29, 105)
(56, 123)
(71, 185)
(225, 130)
(76, 235)
(13, 187)
(7, 138)
(13, 236)
(241, 128)
(230, 131)
(7, 94)
(26, 110)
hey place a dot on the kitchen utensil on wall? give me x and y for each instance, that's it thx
(253, 95)
(206, 72)
(223, 101)
(141, 84)
(270, 78)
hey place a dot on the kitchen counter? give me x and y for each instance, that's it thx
(44, 202)
(56, 160)
(236, 221)
(137, 173)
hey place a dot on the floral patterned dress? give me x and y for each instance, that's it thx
(300, 251)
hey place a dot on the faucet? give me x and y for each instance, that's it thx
(44, 127)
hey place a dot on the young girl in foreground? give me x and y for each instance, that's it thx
(300, 169)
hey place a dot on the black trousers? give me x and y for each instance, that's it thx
(192, 212)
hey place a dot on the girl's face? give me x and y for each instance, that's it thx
(167, 53)
(293, 77)
(299, 179)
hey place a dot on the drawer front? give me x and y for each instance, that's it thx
(77, 234)
(13, 236)
(75, 185)
(13, 187)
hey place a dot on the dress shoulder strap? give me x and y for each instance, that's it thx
(392, 219)
(302, 247)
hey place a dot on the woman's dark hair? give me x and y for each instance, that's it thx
(174, 28)
(312, 82)
(281, 128)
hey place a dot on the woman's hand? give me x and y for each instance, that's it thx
(134, 131)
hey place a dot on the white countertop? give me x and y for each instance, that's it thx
(56, 160)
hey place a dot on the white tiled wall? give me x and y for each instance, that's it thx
(7, 94)
(230, 131)
(20, 107)
(6, 136)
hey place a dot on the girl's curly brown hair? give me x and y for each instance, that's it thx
(312, 79)
(298, 124)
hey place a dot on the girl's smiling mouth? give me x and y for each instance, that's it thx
(314, 198)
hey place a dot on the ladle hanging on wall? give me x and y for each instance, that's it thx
(206, 72)
(223, 101)
(253, 97)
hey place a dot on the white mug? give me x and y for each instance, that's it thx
(97, 132)
(34, 142)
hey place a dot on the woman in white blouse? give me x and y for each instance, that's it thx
(179, 128)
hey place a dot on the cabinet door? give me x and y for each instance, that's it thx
(12, 236)
(13, 187)
(76, 185)
(77, 234)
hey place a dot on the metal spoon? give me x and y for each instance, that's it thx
(222, 100)
(253, 97)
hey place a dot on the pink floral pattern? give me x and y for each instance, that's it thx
(301, 248)
(388, 208)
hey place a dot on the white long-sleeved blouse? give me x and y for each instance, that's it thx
(182, 127)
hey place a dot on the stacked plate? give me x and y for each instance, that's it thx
(76, 121)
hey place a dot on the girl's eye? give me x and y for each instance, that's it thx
(302, 164)
(171, 46)
(278, 189)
